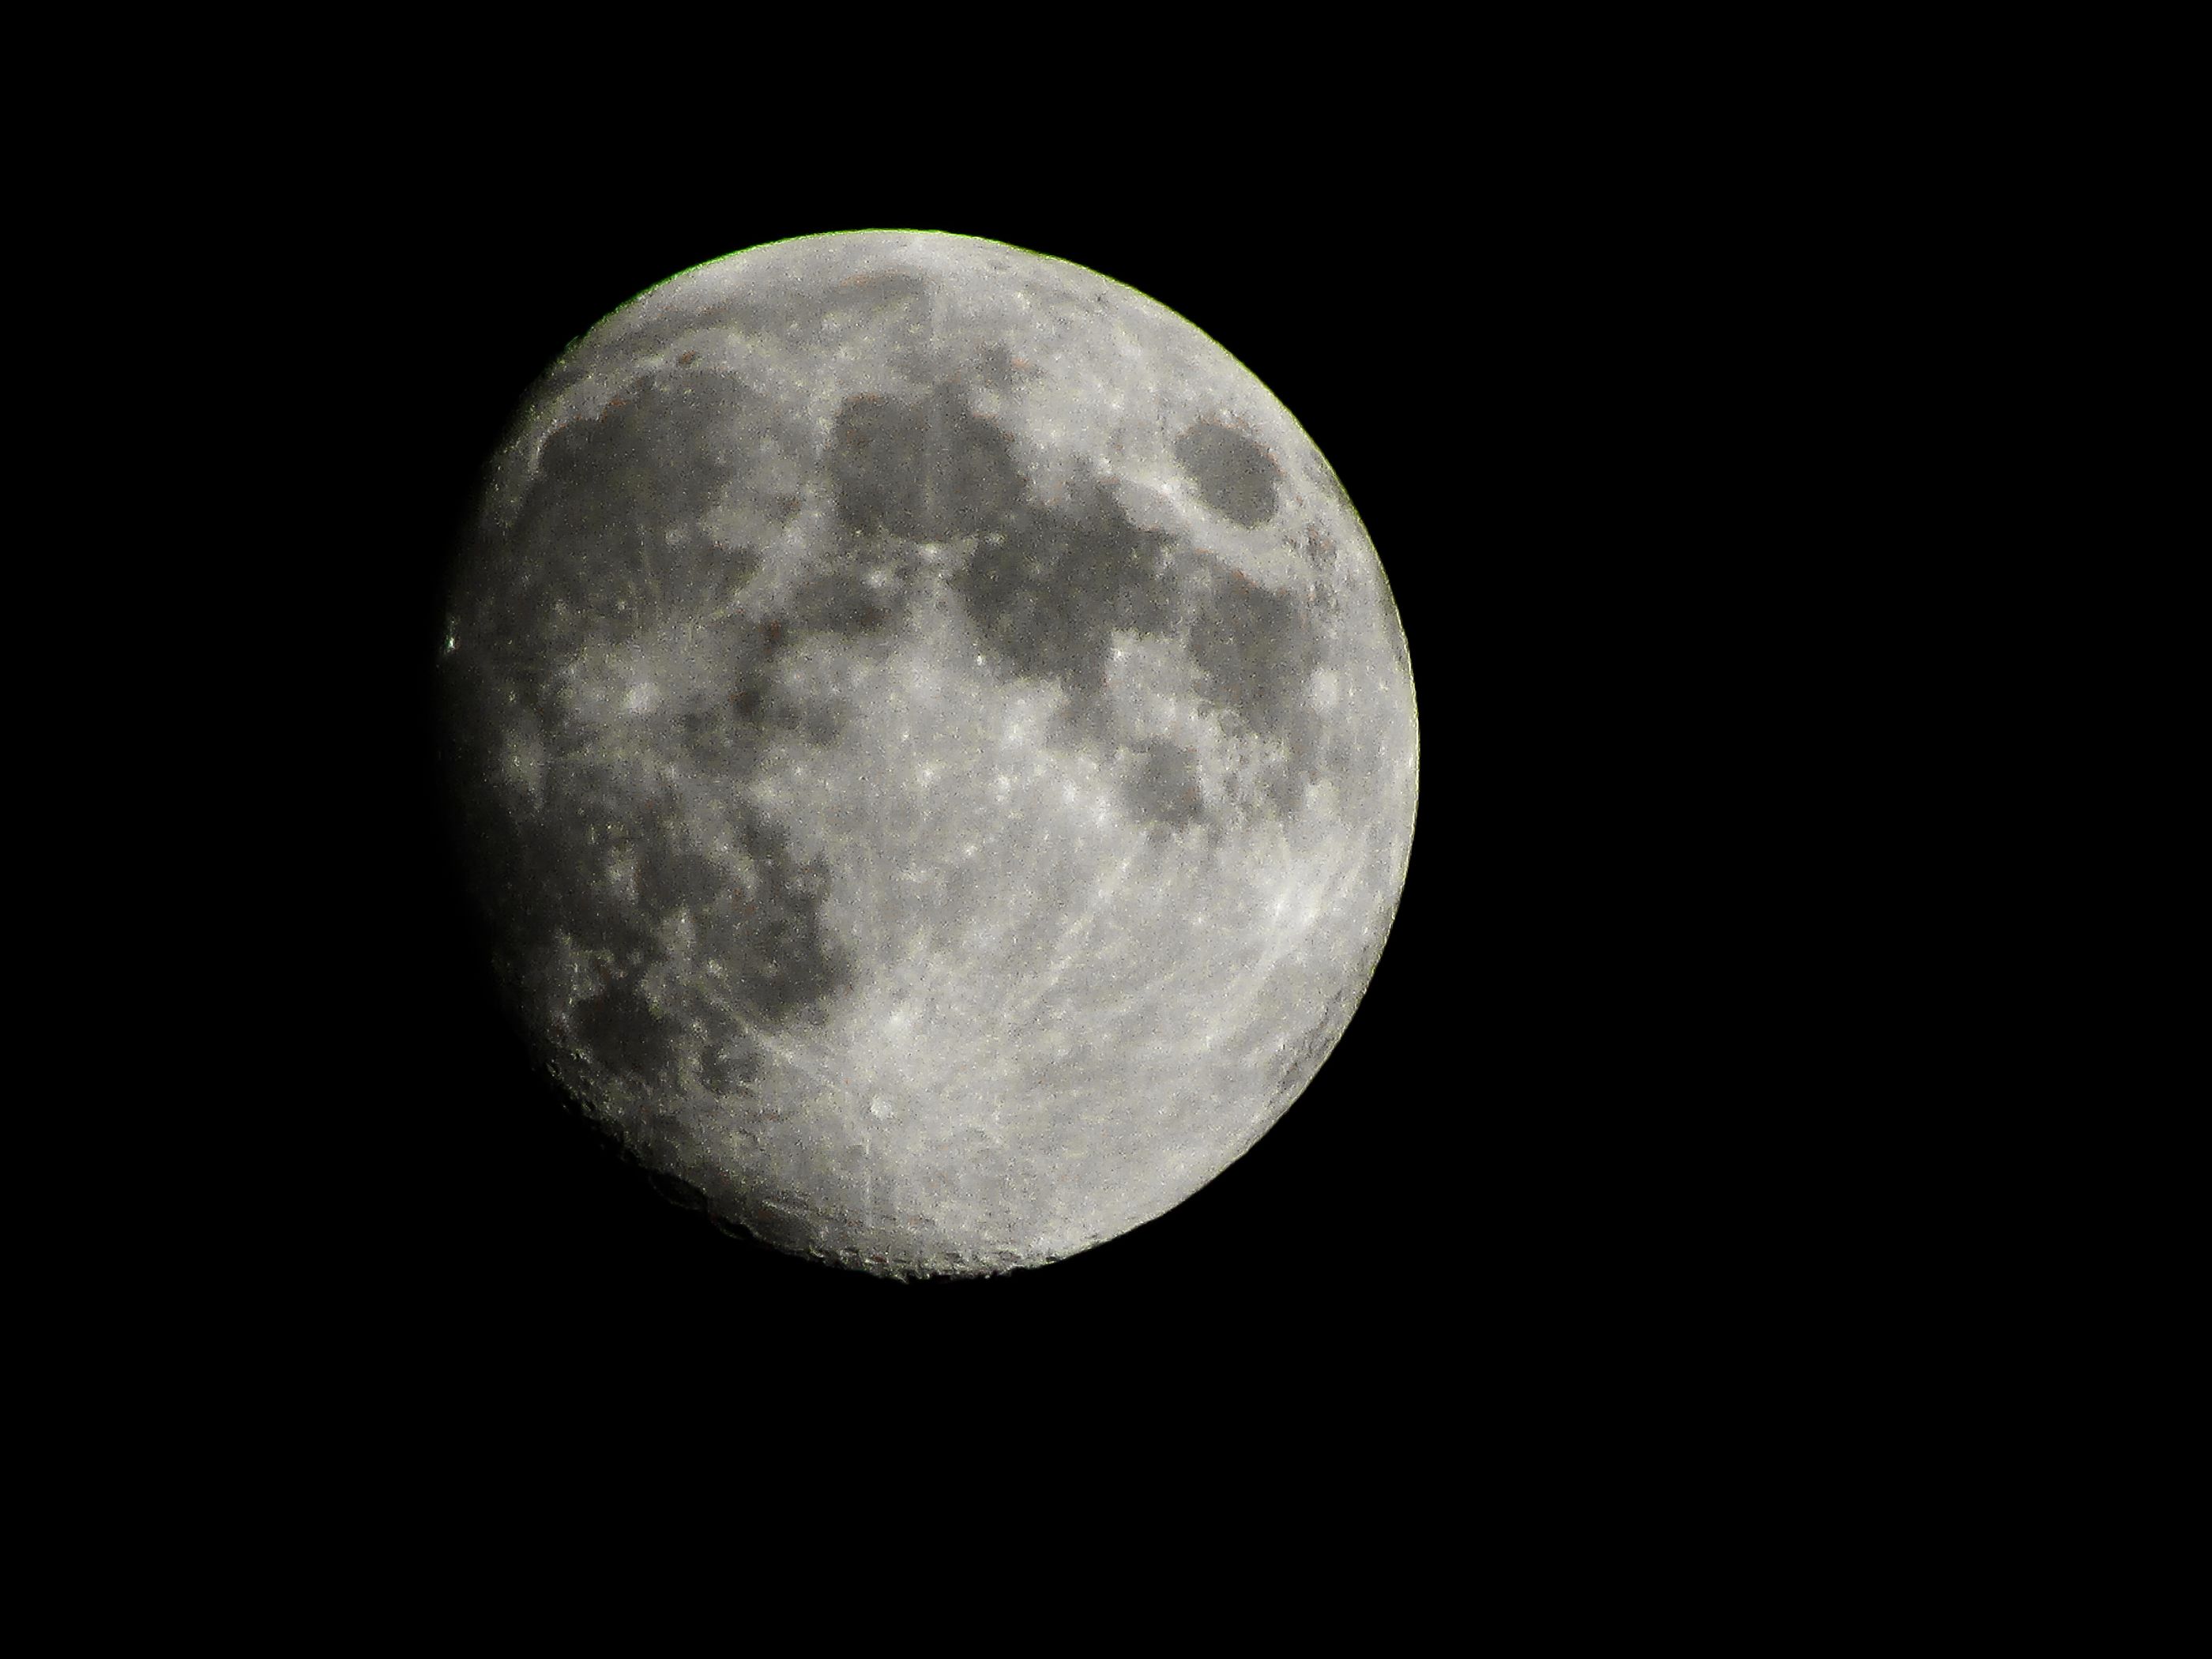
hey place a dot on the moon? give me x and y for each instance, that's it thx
(934, 743)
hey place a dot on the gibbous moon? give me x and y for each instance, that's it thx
(935, 745)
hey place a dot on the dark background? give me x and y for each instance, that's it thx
(1539, 1215)
(1540, 1194)
(505, 1232)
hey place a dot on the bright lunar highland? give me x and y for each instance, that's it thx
(935, 745)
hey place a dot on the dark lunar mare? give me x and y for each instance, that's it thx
(609, 535)
(1164, 790)
(1234, 476)
(1050, 583)
(1256, 650)
(930, 472)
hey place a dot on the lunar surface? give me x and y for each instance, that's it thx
(935, 745)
